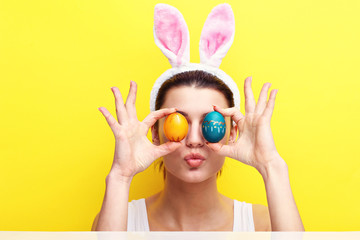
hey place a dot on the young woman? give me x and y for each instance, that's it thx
(190, 200)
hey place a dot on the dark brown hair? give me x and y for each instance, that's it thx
(197, 79)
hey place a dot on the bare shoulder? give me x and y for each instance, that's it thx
(93, 228)
(261, 217)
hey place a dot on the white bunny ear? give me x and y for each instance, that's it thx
(171, 34)
(217, 35)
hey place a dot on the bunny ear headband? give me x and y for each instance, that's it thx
(172, 37)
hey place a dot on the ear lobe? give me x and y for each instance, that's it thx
(171, 34)
(155, 136)
(217, 35)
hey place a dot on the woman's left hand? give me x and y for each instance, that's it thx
(255, 144)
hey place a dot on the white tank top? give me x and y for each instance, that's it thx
(138, 220)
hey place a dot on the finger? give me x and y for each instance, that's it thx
(110, 120)
(270, 104)
(151, 119)
(130, 101)
(165, 149)
(249, 96)
(261, 104)
(221, 149)
(121, 113)
(233, 112)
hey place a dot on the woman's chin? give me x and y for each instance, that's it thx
(194, 175)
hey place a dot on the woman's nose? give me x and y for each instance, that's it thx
(194, 137)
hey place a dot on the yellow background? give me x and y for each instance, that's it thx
(59, 59)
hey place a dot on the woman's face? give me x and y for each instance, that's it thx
(194, 103)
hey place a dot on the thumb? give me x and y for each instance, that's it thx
(221, 149)
(166, 148)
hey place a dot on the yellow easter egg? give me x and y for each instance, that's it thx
(175, 127)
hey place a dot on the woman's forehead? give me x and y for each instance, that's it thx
(194, 101)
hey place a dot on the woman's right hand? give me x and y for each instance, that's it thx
(133, 151)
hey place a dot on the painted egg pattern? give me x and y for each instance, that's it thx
(175, 127)
(213, 127)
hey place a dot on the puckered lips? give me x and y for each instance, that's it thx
(194, 159)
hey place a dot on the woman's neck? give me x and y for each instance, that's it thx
(189, 205)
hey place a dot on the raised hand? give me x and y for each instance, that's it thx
(133, 151)
(255, 144)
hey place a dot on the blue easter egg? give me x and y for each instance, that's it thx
(213, 127)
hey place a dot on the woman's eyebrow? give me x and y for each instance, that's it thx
(186, 115)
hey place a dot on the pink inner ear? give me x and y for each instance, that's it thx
(171, 31)
(215, 39)
(218, 29)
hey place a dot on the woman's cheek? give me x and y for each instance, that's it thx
(225, 139)
(171, 162)
(162, 136)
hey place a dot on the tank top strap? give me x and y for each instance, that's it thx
(243, 217)
(137, 216)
